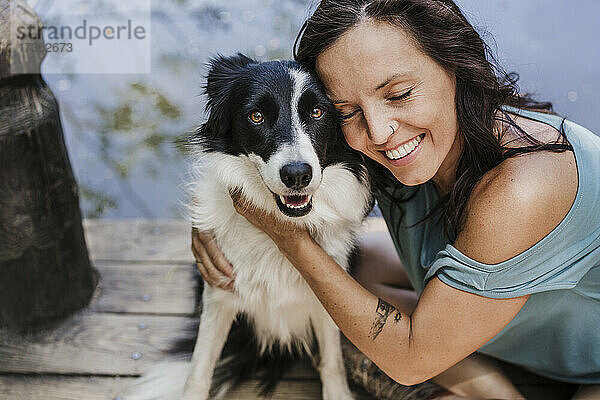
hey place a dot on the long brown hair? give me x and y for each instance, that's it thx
(443, 33)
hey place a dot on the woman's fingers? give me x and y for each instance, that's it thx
(212, 265)
(216, 255)
(202, 261)
(211, 275)
(203, 272)
(214, 276)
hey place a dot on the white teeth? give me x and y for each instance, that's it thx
(404, 149)
(282, 198)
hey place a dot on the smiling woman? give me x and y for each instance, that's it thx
(491, 254)
(405, 90)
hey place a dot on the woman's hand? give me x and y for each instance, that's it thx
(284, 234)
(211, 262)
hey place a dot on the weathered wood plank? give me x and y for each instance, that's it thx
(139, 240)
(301, 370)
(99, 388)
(61, 388)
(166, 240)
(146, 288)
(103, 344)
(286, 390)
(100, 344)
(110, 388)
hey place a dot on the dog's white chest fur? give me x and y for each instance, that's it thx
(267, 286)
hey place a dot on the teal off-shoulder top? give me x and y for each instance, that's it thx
(557, 332)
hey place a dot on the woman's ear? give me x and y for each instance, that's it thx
(220, 85)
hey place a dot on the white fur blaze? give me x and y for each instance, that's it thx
(300, 80)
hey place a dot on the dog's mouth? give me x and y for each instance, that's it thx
(294, 205)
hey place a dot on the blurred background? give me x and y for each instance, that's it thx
(120, 128)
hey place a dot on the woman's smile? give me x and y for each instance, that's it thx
(404, 153)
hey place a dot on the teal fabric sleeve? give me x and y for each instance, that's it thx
(558, 261)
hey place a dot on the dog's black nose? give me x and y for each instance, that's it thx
(296, 175)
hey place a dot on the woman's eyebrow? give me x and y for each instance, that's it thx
(329, 95)
(392, 78)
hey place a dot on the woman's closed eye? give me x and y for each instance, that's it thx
(344, 116)
(403, 96)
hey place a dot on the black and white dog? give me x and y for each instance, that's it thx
(273, 134)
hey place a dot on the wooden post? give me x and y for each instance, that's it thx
(45, 272)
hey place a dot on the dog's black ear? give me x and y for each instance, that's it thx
(222, 72)
(220, 87)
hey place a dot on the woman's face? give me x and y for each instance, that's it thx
(396, 104)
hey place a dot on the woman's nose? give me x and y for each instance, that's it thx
(379, 129)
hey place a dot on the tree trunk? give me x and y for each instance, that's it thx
(45, 272)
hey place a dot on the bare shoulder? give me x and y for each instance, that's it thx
(517, 204)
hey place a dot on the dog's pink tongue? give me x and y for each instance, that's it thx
(295, 200)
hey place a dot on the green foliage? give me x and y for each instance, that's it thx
(97, 201)
(142, 119)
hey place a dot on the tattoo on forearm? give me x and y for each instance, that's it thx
(384, 310)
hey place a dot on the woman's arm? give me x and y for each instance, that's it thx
(378, 269)
(511, 209)
(446, 326)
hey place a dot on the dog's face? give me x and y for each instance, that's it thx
(276, 114)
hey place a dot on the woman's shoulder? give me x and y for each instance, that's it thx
(517, 204)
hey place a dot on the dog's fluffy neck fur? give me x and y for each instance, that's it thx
(266, 283)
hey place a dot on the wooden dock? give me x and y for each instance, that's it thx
(146, 295)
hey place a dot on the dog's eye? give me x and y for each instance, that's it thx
(317, 113)
(256, 117)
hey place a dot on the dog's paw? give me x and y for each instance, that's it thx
(348, 396)
(337, 393)
(195, 393)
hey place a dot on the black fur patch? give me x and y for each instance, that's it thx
(243, 359)
(237, 86)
